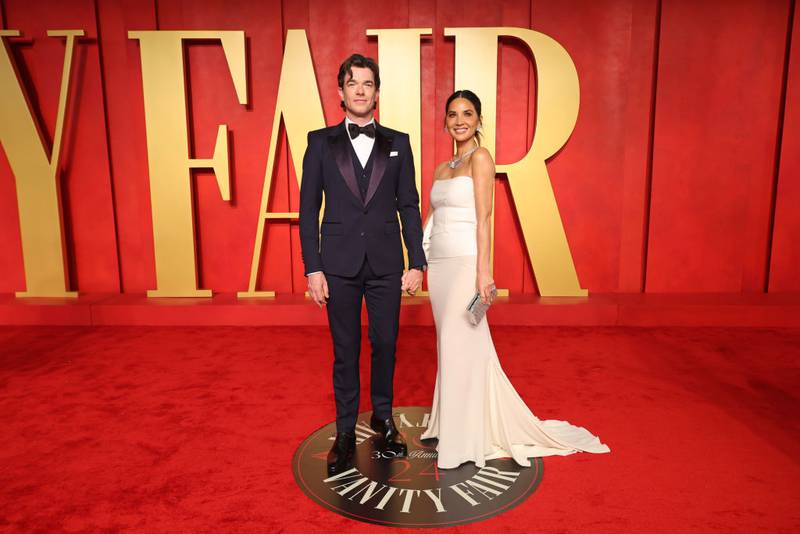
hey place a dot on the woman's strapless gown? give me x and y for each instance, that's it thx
(477, 414)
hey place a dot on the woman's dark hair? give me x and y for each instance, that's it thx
(357, 60)
(472, 97)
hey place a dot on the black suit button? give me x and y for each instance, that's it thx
(362, 234)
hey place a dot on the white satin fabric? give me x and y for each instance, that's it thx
(476, 413)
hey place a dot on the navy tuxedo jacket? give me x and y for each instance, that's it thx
(353, 228)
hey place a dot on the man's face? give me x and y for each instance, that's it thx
(359, 93)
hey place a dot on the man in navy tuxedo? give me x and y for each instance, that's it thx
(367, 174)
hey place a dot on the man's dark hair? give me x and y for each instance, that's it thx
(357, 60)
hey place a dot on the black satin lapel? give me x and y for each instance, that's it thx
(381, 157)
(345, 162)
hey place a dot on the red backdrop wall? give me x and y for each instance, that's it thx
(682, 174)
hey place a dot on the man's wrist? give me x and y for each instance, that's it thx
(420, 268)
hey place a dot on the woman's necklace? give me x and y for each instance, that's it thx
(455, 162)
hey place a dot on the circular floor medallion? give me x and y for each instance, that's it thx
(411, 491)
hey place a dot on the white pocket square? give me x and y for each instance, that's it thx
(393, 153)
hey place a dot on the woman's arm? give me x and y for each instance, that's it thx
(428, 217)
(483, 181)
(427, 226)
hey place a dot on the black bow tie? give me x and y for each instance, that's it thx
(356, 130)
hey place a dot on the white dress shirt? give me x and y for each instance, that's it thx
(362, 144)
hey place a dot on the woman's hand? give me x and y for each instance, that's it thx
(484, 284)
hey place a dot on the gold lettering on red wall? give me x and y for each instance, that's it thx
(168, 157)
(300, 107)
(557, 99)
(36, 174)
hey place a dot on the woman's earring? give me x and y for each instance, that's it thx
(480, 129)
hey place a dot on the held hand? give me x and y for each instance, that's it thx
(484, 284)
(318, 288)
(411, 281)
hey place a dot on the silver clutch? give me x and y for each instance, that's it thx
(477, 309)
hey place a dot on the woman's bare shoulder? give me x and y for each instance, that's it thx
(482, 156)
(482, 164)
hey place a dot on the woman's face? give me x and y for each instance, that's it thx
(461, 120)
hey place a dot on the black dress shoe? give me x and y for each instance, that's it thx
(391, 440)
(340, 457)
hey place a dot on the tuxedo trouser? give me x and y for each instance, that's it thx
(382, 295)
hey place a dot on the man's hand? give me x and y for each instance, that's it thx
(411, 281)
(318, 288)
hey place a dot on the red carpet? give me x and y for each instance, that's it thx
(170, 429)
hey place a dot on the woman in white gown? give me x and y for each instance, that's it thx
(476, 414)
